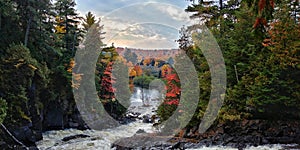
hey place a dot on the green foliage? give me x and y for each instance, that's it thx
(261, 62)
(3, 109)
(89, 20)
(143, 81)
(35, 65)
(69, 21)
(165, 111)
(264, 90)
(18, 70)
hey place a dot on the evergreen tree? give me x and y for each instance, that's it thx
(22, 80)
(261, 54)
(9, 24)
(89, 20)
(68, 21)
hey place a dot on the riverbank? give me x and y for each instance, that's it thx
(237, 135)
(240, 134)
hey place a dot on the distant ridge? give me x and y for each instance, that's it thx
(154, 53)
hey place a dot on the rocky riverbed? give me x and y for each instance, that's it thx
(136, 131)
(139, 119)
(246, 134)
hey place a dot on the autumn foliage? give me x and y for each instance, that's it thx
(173, 92)
(265, 8)
(173, 89)
(107, 90)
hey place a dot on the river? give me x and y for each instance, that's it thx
(102, 140)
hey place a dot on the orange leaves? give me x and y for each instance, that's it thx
(257, 22)
(147, 61)
(135, 71)
(171, 77)
(283, 42)
(171, 94)
(272, 3)
(172, 86)
(172, 102)
(76, 80)
(138, 70)
(165, 69)
(260, 21)
(261, 5)
(267, 42)
(106, 83)
(132, 73)
(71, 65)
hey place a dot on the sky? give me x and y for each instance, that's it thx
(146, 24)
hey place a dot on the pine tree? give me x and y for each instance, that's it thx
(9, 24)
(89, 20)
(69, 20)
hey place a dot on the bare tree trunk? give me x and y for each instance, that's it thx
(236, 74)
(27, 31)
(221, 4)
(13, 137)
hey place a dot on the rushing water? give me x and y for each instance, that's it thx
(264, 147)
(102, 140)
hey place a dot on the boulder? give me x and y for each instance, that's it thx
(140, 131)
(65, 139)
(147, 119)
(146, 142)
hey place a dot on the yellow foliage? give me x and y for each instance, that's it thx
(60, 30)
(71, 65)
(76, 80)
(165, 69)
(32, 67)
(132, 73)
(19, 64)
(147, 61)
(138, 70)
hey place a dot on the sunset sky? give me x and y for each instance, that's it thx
(148, 24)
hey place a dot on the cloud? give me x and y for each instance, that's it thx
(174, 13)
(134, 24)
(104, 6)
(149, 36)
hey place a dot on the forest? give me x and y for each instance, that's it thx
(259, 40)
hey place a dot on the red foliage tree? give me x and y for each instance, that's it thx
(107, 90)
(173, 91)
(172, 87)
